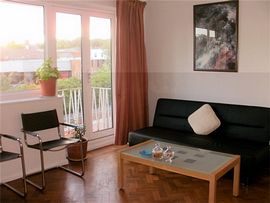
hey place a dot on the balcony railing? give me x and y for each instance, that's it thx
(101, 107)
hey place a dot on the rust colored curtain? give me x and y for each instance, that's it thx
(131, 70)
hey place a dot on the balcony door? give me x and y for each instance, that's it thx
(101, 74)
(84, 58)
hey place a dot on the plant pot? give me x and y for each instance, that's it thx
(74, 151)
(48, 87)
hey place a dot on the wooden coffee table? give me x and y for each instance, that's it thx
(194, 162)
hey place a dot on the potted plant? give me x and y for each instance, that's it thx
(47, 76)
(74, 150)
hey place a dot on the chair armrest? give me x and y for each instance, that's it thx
(80, 130)
(36, 135)
(31, 133)
(69, 125)
(10, 137)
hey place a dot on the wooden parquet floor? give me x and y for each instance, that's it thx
(99, 185)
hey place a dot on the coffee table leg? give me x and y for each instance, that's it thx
(212, 190)
(120, 173)
(151, 170)
(236, 179)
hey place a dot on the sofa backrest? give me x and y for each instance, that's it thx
(237, 121)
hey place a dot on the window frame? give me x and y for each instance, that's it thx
(25, 94)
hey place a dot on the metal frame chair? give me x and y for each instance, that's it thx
(7, 156)
(40, 121)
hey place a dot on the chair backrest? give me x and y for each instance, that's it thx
(40, 120)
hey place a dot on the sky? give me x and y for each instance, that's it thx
(30, 24)
(28, 21)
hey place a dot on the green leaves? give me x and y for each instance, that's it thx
(46, 71)
(69, 83)
(5, 83)
(102, 78)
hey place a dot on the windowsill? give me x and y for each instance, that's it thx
(23, 96)
(40, 98)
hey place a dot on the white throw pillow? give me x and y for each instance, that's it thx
(204, 120)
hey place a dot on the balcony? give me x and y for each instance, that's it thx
(101, 107)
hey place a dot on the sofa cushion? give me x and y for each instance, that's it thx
(173, 115)
(173, 136)
(204, 120)
(253, 154)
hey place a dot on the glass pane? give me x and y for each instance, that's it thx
(68, 42)
(101, 65)
(21, 45)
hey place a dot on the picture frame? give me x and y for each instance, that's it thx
(216, 36)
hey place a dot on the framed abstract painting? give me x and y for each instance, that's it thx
(216, 36)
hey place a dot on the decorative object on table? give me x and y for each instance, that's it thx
(146, 153)
(73, 151)
(168, 154)
(157, 151)
(47, 76)
(216, 36)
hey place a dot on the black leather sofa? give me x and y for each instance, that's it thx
(244, 130)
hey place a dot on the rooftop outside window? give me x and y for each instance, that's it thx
(21, 46)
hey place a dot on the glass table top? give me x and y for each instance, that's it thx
(195, 159)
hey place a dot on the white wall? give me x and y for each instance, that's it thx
(10, 123)
(169, 46)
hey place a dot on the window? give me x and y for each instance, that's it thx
(68, 43)
(21, 45)
(201, 31)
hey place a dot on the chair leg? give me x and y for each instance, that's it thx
(80, 174)
(24, 172)
(24, 193)
(42, 186)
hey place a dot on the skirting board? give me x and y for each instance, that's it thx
(101, 142)
(18, 175)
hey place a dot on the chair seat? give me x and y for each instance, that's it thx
(55, 143)
(6, 156)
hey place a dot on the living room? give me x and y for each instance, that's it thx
(169, 46)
